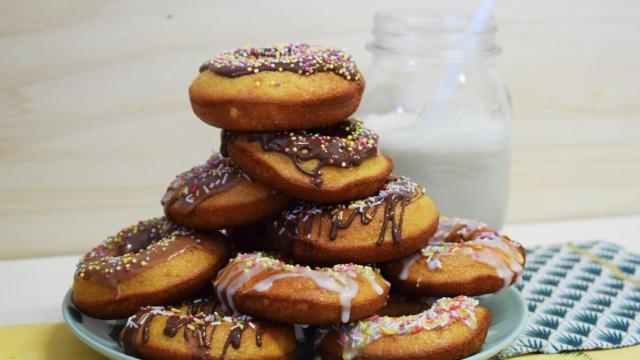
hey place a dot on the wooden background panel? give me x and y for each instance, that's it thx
(95, 119)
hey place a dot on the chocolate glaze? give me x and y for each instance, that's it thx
(132, 241)
(234, 338)
(301, 59)
(236, 71)
(192, 187)
(298, 222)
(135, 249)
(198, 322)
(345, 144)
(259, 332)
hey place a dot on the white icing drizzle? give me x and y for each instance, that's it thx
(504, 268)
(407, 263)
(374, 283)
(299, 332)
(341, 279)
(345, 286)
(230, 283)
(481, 247)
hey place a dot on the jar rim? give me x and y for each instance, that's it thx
(422, 32)
(423, 19)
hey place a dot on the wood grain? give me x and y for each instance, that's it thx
(95, 119)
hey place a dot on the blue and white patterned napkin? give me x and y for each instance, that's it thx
(580, 297)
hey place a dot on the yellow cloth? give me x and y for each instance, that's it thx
(625, 353)
(43, 342)
(55, 341)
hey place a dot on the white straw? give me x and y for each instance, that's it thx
(447, 84)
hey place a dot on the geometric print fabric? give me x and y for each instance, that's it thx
(580, 297)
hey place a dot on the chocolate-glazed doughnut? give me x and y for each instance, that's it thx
(396, 221)
(268, 288)
(218, 195)
(153, 262)
(451, 329)
(327, 165)
(198, 330)
(463, 257)
(280, 87)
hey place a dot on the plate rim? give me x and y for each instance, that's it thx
(523, 314)
(84, 336)
(511, 294)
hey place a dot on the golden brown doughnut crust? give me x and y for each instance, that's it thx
(463, 276)
(293, 296)
(461, 271)
(243, 204)
(257, 339)
(186, 274)
(254, 103)
(278, 171)
(218, 195)
(308, 238)
(452, 342)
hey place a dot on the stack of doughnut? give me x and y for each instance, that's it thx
(297, 226)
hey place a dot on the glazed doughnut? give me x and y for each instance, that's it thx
(396, 221)
(218, 195)
(450, 329)
(281, 87)
(327, 165)
(463, 257)
(150, 263)
(197, 331)
(268, 288)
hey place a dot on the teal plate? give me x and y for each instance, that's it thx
(508, 308)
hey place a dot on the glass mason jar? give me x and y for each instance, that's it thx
(441, 109)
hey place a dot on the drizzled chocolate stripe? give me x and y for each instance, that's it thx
(397, 193)
(198, 321)
(345, 144)
(201, 182)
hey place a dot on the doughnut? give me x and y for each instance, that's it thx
(463, 257)
(396, 221)
(332, 164)
(452, 328)
(198, 331)
(281, 87)
(268, 288)
(217, 195)
(150, 263)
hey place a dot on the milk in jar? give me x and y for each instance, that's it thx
(441, 109)
(462, 160)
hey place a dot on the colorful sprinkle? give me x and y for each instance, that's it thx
(345, 144)
(202, 181)
(354, 337)
(456, 235)
(134, 246)
(265, 261)
(303, 59)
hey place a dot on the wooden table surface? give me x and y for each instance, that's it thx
(95, 119)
